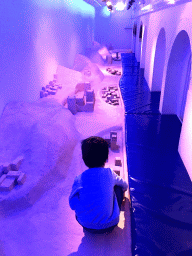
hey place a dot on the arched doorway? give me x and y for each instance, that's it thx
(178, 76)
(159, 62)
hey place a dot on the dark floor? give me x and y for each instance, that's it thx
(160, 188)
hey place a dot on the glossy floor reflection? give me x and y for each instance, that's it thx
(160, 188)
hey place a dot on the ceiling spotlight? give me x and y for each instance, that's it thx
(109, 3)
(120, 6)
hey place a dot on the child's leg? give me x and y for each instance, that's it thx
(119, 194)
(100, 231)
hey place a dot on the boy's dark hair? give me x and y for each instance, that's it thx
(95, 151)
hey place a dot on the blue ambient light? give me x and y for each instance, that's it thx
(105, 11)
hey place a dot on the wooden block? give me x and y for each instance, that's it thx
(6, 167)
(5, 170)
(114, 100)
(108, 142)
(8, 184)
(113, 135)
(117, 172)
(80, 101)
(2, 178)
(17, 163)
(118, 161)
(21, 179)
(1, 172)
(114, 146)
(52, 92)
(14, 174)
(89, 95)
(41, 94)
(89, 107)
(71, 102)
(52, 88)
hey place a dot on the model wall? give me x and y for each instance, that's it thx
(113, 29)
(173, 21)
(36, 37)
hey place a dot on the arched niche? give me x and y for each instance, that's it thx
(141, 32)
(159, 61)
(177, 76)
(140, 39)
(134, 37)
(143, 47)
(135, 29)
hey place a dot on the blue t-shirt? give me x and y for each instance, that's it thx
(93, 198)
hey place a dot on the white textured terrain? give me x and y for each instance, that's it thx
(36, 218)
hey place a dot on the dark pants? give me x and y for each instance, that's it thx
(119, 195)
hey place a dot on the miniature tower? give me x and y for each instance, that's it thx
(71, 101)
(113, 137)
(90, 101)
(87, 86)
(89, 95)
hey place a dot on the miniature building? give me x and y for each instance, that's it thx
(82, 104)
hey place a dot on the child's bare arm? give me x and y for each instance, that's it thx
(119, 181)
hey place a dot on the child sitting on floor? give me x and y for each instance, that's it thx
(97, 193)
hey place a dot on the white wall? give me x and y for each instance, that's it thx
(36, 37)
(173, 20)
(111, 29)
